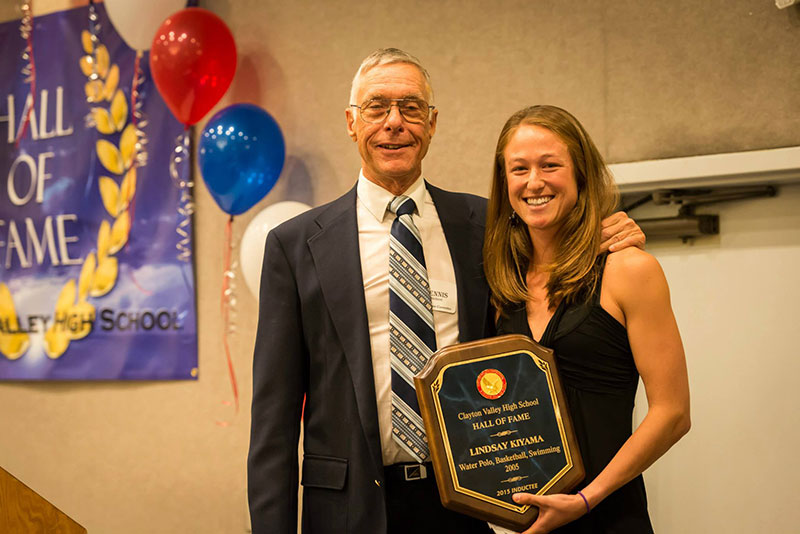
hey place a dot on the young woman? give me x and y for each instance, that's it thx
(607, 317)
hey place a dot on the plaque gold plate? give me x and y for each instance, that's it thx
(497, 424)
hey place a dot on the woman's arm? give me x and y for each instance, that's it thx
(634, 287)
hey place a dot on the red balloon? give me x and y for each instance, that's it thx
(192, 60)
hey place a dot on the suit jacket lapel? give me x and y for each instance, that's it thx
(463, 230)
(335, 252)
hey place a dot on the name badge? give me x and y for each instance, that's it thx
(443, 295)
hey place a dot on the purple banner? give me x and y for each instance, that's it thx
(91, 285)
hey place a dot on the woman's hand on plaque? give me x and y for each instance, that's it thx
(554, 510)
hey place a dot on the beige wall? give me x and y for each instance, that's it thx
(648, 79)
(735, 297)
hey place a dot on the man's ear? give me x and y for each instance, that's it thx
(351, 123)
(434, 117)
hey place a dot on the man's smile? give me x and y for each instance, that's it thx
(393, 146)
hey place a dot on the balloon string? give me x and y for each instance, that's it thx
(133, 85)
(140, 153)
(94, 76)
(138, 286)
(180, 158)
(29, 70)
(138, 118)
(228, 307)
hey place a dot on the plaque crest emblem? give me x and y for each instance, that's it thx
(491, 384)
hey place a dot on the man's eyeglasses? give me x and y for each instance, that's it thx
(376, 110)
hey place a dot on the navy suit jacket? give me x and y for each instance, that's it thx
(313, 341)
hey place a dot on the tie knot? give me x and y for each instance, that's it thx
(402, 205)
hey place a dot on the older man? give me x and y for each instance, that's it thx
(355, 296)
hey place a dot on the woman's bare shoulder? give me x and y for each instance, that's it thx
(631, 272)
(631, 261)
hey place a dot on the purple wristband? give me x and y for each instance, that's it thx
(585, 502)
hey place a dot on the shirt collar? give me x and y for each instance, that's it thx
(376, 199)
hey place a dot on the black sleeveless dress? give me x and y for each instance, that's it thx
(597, 370)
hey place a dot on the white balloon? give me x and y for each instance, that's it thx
(251, 251)
(137, 22)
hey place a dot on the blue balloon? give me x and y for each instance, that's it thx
(241, 156)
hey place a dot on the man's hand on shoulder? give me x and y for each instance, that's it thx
(620, 231)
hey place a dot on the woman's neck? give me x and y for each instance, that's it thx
(544, 248)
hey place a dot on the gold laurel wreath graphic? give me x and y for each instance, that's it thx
(74, 314)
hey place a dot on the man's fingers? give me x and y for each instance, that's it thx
(605, 245)
(614, 218)
(607, 229)
(635, 239)
(606, 235)
(617, 228)
(619, 231)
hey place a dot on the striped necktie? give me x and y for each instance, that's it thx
(412, 339)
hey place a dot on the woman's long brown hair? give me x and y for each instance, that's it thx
(507, 249)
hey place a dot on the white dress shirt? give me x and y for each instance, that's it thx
(374, 227)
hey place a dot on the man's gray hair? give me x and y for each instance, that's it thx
(385, 56)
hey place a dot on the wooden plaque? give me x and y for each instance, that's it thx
(497, 424)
